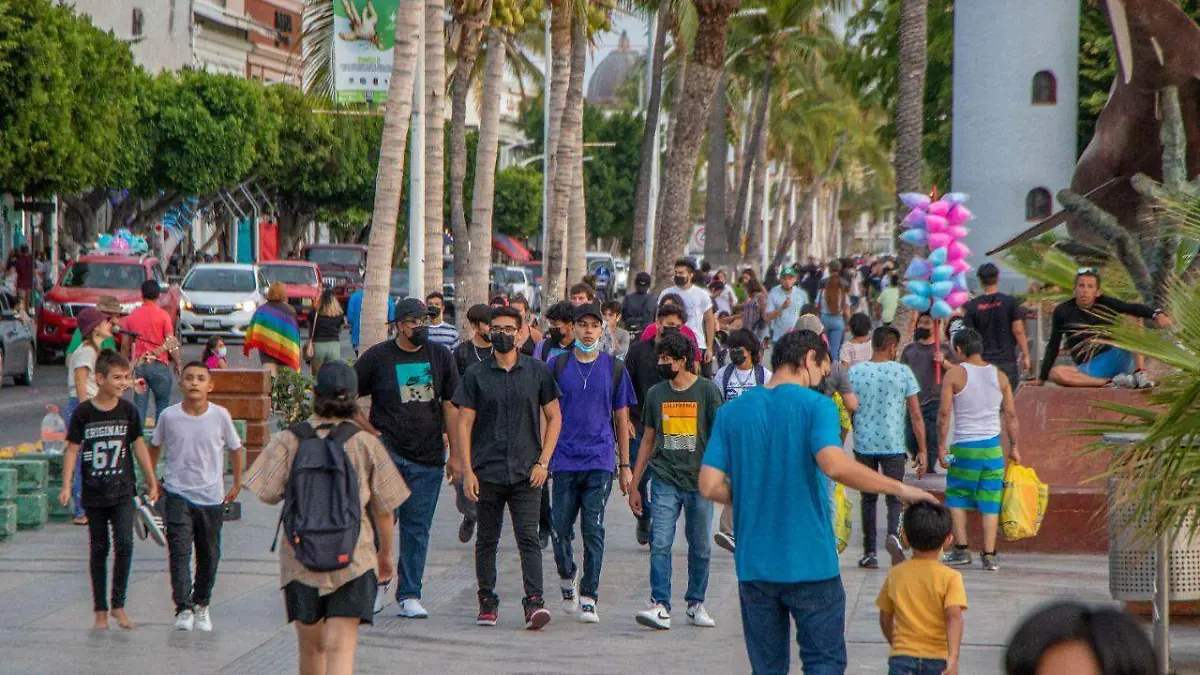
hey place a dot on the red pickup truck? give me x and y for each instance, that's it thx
(81, 286)
(342, 266)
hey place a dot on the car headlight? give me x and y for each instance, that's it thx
(52, 308)
(307, 302)
(184, 304)
(247, 306)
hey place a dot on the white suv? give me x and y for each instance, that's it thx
(220, 299)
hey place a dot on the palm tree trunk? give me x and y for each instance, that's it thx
(567, 153)
(910, 118)
(754, 232)
(716, 240)
(470, 31)
(801, 227)
(783, 195)
(435, 140)
(676, 99)
(577, 220)
(690, 118)
(478, 262)
(389, 183)
(642, 205)
(756, 139)
(560, 76)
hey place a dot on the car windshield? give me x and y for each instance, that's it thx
(516, 276)
(104, 275)
(336, 256)
(219, 280)
(399, 283)
(290, 274)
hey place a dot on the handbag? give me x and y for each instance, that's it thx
(306, 350)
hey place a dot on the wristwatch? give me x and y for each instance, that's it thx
(622, 466)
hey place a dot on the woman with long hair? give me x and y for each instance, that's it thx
(325, 333)
(834, 303)
(274, 332)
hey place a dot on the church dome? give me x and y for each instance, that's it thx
(604, 87)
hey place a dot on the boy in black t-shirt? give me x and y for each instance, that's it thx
(106, 429)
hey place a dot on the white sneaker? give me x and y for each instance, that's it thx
(203, 619)
(1125, 381)
(570, 593)
(698, 616)
(1142, 380)
(587, 611)
(382, 593)
(410, 608)
(656, 617)
(185, 620)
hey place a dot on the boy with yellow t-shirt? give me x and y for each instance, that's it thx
(922, 601)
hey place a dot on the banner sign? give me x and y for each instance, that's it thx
(364, 34)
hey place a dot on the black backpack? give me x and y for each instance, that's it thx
(322, 513)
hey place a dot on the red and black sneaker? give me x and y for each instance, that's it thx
(488, 608)
(536, 614)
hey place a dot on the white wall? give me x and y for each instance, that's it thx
(165, 44)
(1004, 146)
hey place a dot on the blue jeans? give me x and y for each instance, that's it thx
(643, 486)
(819, 610)
(77, 481)
(910, 665)
(835, 329)
(158, 382)
(666, 503)
(577, 492)
(415, 516)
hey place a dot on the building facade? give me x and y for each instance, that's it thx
(158, 31)
(275, 57)
(1016, 66)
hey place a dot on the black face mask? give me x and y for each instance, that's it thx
(555, 335)
(503, 343)
(922, 334)
(669, 330)
(737, 356)
(419, 335)
(666, 371)
(437, 311)
(484, 334)
(680, 280)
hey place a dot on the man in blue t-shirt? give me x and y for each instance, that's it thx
(354, 316)
(596, 396)
(766, 456)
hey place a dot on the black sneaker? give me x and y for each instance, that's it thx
(869, 562)
(466, 530)
(989, 562)
(488, 608)
(536, 614)
(643, 532)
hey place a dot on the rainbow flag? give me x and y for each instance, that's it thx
(273, 332)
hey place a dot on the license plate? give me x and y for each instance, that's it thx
(212, 324)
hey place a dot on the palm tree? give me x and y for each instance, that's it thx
(485, 167)
(716, 248)
(435, 140)
(389, 183)
(910, 115)
(641, 208)
(560, 74)
(702, 75)
(577, 216)
(568, 152)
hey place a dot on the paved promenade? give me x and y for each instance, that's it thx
(45, 612)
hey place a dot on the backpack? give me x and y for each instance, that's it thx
(322, 511)
(760, 376)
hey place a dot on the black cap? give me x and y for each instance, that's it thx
(336, 379)
(411, 307)
(588, 309)
(479, 314)
(988, 271)
(150, 289)
(642, 279)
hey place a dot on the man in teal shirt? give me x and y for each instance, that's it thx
(110, 306)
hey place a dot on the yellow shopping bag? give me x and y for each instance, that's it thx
(842, 512)
(1023, 505)
(843, 413)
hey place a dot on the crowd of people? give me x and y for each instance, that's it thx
(710, 392)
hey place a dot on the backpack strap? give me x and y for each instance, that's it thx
(303, 431)
(560, 364)
(723, 375)
(343, 432)
(545, 351)
(760, 374)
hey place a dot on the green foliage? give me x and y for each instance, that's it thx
(291, 397)
(518, 202)
(1044, 261)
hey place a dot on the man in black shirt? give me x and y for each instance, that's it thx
(410, 381)
(997, 317)
(637, 311)
(642, 363)
(505, 459)
(1096, 365)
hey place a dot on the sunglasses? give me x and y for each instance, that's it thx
(1087, 271)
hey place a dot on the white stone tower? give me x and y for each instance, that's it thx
(1016, 65)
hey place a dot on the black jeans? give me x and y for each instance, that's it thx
(1013, 372)
(929, 415)
(892, 466)
(191, 525)
(118, 518)
(524, 506)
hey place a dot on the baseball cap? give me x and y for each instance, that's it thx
(409, 307)
(588, 309)
(642, 279)
(89, 319)
(787, 272)
(811, 322)
(109, 305)
(337, 380)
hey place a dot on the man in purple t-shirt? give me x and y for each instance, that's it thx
(596, 396)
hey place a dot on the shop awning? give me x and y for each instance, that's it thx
(511, 248)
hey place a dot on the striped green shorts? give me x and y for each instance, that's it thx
(975, 480)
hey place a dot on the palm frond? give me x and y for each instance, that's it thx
(320, 78)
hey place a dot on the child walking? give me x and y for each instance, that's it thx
(922, 601)
(106, 433)
(196, 435)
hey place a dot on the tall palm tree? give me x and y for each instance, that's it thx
(716, 248)
(485, 167)
(568, 152)
(389, 183)
(910, 115)
(554, 260)
(435, 140)
(642, 206)
(577, 215)
(754, 231)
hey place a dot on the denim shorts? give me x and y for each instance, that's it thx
(911, 665)
(1108, 364)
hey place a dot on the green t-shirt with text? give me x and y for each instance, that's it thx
(681, 421)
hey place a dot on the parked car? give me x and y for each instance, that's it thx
(621, 279)
(520, 280)
(220, 299)
(82, 284)
(342, 266)
(603, 267)
(17, 348)
(303, 280)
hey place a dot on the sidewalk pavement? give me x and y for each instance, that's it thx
(45, 611)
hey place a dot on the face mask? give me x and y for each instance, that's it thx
(222, 351)
(666, 371)
(419, 335)
(922, 334)
(586, 349)
(503, 343)
(669, 330)
(437, 311)
(483, 334)
(680, 280)
(555, 335)
(737, 356)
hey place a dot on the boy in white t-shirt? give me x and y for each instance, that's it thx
(196, 435)
(699, 305)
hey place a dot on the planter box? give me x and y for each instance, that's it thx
(32, 474)
(8, 519)
(32, 510)
(8, 484)
(241, 381)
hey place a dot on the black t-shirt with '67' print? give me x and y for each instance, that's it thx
(105, 439)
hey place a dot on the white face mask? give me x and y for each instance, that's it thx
(222, 350)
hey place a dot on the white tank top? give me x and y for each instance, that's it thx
(977, 406)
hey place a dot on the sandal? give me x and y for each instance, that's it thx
(79, 520)
(869, 562)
